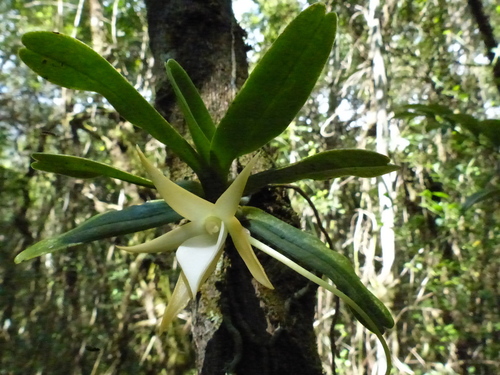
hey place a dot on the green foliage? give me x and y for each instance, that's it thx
(480, 196)
(445, 286)
(489, 128)
(109, 224)
(274, 93)
(311, 252)
(267, 103)
(270, 20)
(277, 87)
(457, 212)
(201, 125)
(70, 63)
(432, 60)
(74, 166)
(52, 308)
(324, 166)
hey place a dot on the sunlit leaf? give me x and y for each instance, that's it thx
(311, 253)
(109, 224)
(324, 166)
(70, 63)
(74, 166)
(278, 86)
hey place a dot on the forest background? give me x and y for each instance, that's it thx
(410, 79)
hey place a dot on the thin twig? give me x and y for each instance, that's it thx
(313, 207)
(330, 245)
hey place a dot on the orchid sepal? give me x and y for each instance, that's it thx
(182, 201)
(241, 240)
(200, 242)
(166, 242)
(178, 301)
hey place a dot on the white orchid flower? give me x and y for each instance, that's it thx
(200, 242)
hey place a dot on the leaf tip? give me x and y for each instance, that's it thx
(170, 62)
(394, 167)
(25, 37)
(318, 6)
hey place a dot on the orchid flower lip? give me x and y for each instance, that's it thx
(198, 256)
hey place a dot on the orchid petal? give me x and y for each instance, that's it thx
(178, 300)
(241, 240)
(228, 202)
(168, 241)
(198, 255)
(182, 201)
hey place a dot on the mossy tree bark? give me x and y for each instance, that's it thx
(238, 325)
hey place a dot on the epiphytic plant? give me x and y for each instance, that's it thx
(267, 103)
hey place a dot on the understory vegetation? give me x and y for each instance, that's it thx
(413, 80)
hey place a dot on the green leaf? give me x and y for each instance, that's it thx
(109, 224)
(190, 101)
(466, 121)
(426, 109)
(403, 114)
(480, 196)
(68, 62)
(491, 130)
(278, 86)
(74, 166)
(316, 257)
(323, 166)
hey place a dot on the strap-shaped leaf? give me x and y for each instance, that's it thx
(323, 166)
(277, 87)
(491, 129)
(316, 257)
(70, 63)
(109, 224)
(195, 112)
(466, 121)
(424, 109)
(74, 166)
(481, 195)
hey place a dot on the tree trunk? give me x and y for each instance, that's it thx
(484, 26)
(239, 326)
